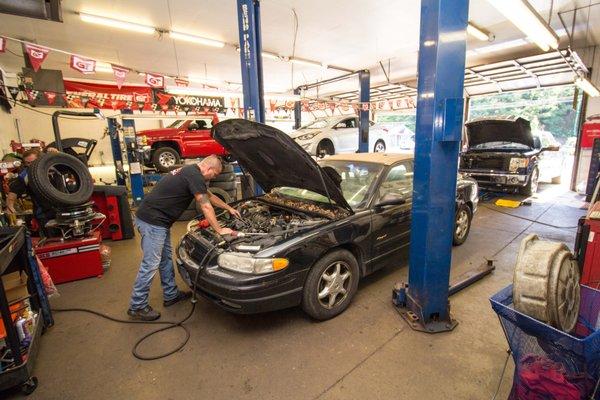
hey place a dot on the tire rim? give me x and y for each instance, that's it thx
(534, 181)
(333, 284)
(462, 224)
(64, 179)
(166, 159)
(379, 147)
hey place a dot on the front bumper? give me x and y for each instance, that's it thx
(497, 179)
(242, 293)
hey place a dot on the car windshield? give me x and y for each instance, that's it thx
(501, 145)
(357, 182)
(176, 124)
(317, 124)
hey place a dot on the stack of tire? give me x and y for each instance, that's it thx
(47, 186)
(223, 186)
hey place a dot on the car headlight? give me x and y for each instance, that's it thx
(142, 140)
(247, 264)
(307, 136)
(518, 162)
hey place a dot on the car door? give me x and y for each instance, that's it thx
(197, 139)
(345, 135)
(390, 225)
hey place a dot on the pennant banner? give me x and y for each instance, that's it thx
(83, 65)
(120, 74)
(50, 97)
(155, 81)
(106, 96)
(182, 82)
(36, 54)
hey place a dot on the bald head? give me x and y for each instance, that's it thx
(210, 167)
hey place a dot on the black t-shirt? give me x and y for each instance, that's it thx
(171, 196)
(20, 187)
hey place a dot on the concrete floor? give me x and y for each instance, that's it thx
(367, 352)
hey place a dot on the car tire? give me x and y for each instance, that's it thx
(224, 177)
(557, 180)
(220, 193)
(462, 224)
(325, 147)
(223, 185)
(325, 273)
(165, 159)
(46, 188)
(532, 184)
(379, 147)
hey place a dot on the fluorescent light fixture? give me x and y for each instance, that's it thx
(190, 91)
(115, 23)
(283, 97)
(587, 86)
(477, 32)
(272, 56)
(388, 86)
(524, 17)
(196, 39)
(306, 62)
(499, 46)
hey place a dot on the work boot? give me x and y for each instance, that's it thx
(144, 314)
(180, 297)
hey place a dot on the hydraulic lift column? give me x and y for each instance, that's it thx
(251, 63)
(364, 79)
(424, 304)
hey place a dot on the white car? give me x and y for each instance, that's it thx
(339, 134)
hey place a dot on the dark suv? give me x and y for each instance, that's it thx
(503, 154)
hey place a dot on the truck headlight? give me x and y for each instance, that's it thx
(308, 136)
(518, 162)
(247, 264)
(142, 140)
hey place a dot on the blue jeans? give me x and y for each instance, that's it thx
(156, 246)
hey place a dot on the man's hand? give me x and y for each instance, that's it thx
(234, 212)
(225, 231)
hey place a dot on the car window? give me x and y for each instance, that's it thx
(398, 181)
(204, 123)
(347, 123)
(317, 124)
(176, 124)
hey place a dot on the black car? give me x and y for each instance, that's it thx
(503, 154)
(318, 229)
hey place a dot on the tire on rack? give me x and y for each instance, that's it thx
(48, 173)
(165, 159)
(338, 271)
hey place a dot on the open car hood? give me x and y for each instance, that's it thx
(515, 130)
(274, 159)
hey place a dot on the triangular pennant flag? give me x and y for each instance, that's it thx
(182, 82)
(114, 104)
(186, 109)
(272, 105)
(14, 92)
(32, 94)
(140, 105)
(37, 55)
(101, 101)
(365, 107)
(120, 74)
(83, 65)
(154, 106)
(84, 100)
(332, 106)
(2, 44)
(155, 81)
(50, 97)
(164, 108)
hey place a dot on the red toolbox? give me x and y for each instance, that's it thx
(590, 246)
(112, 202)
(72, 259)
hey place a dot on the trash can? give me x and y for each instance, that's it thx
(549, 363)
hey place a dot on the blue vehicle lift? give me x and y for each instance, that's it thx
(424, 302)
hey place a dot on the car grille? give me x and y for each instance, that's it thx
(196, 250)
(498, 164)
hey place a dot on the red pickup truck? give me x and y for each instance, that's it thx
(185, 138)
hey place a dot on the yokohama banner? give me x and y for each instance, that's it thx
(107, 96)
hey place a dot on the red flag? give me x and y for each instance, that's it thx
(31, 94)
(37, 55)
(2, 44)
(182, 82)
(365, 107)
(50, 97)
(391, 104)
(332, 106)
(155, 81)
(289, 105)
(120, 74)
(83, 65)
(272, 105)
(163, 98)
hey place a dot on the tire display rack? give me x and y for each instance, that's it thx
(16, 254)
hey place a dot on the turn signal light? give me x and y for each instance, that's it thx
(280, 263)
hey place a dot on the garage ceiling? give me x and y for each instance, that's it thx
(351, 34)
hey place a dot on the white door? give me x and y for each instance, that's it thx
(345, 135)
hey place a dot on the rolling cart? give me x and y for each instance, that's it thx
(18, 360)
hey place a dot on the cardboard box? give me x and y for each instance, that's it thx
(15, 286)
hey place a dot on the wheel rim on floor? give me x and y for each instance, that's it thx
(379, 147)
(166, 159)
(334, 284)
(462, 224)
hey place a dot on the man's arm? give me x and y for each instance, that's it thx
(217, 202)
(10, 202)
(203, 199)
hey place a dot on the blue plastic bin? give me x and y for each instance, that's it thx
(576, 354)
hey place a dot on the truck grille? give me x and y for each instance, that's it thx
(497, 164)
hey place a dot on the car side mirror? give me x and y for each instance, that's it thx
(390, 199)
(551, 148)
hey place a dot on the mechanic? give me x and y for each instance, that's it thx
(159, 210)
(19, 187)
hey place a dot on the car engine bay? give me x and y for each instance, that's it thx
(263, 223)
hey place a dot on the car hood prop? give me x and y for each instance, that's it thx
(486, 130)
(274, 159)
